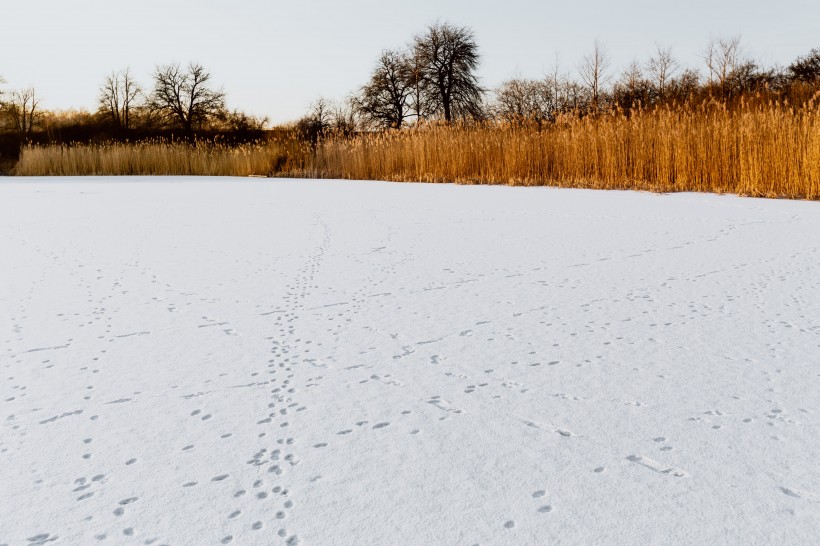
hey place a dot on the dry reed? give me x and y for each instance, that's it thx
(770, 150)
(154, 158)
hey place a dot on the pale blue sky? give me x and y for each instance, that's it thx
(274, 57)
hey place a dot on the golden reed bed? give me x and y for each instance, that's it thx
(149, 158)
(767, 150)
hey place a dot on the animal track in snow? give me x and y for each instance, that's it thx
(561, 431)
(798, 494)
(591, 354)
(444, 405)
(657, 467)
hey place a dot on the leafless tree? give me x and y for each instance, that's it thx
(575, 97)
(343, 118)
(519, 100)
(239, 121)
(749, 77)
(513, 100)
(184, 96)
(420, 104)
(632, 88)
(318, 121)
(594, 70)
(3, 107)
(21, 108)
(684, 86)
(321, 112)
(631, 76)
(119, 94)
(662, 67)
(806, 68)
(567, 95)
(553, 81)
(384, 100)
(448, 58)
(722, 57)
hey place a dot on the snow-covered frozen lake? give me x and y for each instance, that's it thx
(192, 361)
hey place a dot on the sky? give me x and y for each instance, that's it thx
(273, 58)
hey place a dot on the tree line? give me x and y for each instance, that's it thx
(180, 97)
(433, 78)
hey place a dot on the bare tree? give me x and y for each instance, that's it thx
(575, 97)
(448, 58)
(384, 100)
(519, 100)
(343, 117)
(749, 77)
(238, 121)
(632, 88)
(710, 58)
(567, 95)
(420, 104)
(722, 57)
(513, 101)
(3, 107)
(806, 68)
(683, 87)
(118, 97)
(318, 120)
(321, 112)
(21, 109)
(553, 81)
(184, 96)
(594, 70)
(662, 67)
(631, 76)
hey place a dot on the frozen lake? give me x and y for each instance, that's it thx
(213, 361)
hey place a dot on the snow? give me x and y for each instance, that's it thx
(205, 361)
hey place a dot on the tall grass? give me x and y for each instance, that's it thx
(157, 158)
(766, 150)
(761, 150)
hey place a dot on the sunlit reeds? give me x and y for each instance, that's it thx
(157, 158)
(767, 149)
(770, 150)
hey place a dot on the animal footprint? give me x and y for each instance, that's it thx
(444, 405)
(656, 466)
